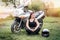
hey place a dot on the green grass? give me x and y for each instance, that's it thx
(52, 23)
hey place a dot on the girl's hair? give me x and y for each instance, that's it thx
(31, 14)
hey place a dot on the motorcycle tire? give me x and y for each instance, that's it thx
(15, 28)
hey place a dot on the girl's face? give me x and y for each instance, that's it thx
(33, 16)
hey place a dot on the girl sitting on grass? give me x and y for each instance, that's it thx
(32, 25)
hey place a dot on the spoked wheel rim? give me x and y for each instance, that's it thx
(16, 28)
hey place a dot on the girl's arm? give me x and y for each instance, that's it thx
(37, 24)
(27, 25)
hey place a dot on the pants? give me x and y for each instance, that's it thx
(30, 32)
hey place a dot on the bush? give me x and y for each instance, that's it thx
(36, 6)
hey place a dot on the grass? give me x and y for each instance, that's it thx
(52, 23)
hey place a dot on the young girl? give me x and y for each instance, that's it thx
(32, 25)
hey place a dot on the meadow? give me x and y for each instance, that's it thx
(51, 23)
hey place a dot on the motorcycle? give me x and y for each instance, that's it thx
(18, 24)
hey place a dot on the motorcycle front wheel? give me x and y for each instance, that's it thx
(15, 27)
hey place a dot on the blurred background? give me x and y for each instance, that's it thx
(51, 7)
(51, 21)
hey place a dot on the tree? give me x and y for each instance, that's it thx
(11, 1)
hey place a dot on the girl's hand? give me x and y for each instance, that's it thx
(32, 30)
(35, 29)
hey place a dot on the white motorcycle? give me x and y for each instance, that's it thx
(19, 22)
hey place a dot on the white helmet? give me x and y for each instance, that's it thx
(45, 33)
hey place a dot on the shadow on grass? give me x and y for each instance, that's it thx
(11, 36)
(6, 38)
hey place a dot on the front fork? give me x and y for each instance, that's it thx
(20, 23)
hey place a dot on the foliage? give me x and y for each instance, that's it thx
(36, 5)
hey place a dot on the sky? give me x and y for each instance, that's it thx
(55, 2)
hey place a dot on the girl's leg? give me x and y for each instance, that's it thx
(28, 31)
(37, 30)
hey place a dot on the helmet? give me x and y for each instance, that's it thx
(45, 33)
